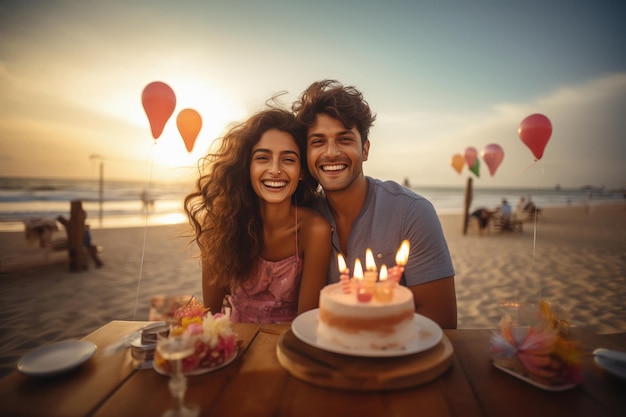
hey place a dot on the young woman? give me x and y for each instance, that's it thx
(264, 255)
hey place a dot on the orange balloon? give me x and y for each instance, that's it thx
(457, 162)
(158, 101)
(189, 124)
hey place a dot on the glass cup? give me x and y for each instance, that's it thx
(174, 349)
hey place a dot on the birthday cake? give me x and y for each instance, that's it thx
(374, 325)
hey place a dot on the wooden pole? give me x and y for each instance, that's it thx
(101, 192)
(468, 203)
(76, 236)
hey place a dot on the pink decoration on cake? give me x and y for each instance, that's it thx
(344, 277)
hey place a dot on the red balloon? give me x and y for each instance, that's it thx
(189, 124)
(535, 131)
(158, 101)
(470, 156)
(493, 156)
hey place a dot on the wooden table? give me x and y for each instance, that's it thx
(255, 384)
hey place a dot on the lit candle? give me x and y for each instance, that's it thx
(362, 293)
(343, 267)
(344, 277)
(358, 269)
(402, 256)
(383, 288)
(371, 275)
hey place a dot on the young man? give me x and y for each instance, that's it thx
(368, 213)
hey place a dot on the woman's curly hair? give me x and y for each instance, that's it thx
(224, 209)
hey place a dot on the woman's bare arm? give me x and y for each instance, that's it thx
(212, 296)
(316, 240)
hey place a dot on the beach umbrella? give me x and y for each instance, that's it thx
(457, 162)
(470, 155)
(189, 124)
(493, 156)
(535, 131)
(158, 100)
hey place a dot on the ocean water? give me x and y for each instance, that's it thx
(121, 204)
(115, 204)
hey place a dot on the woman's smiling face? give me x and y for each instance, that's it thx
(275, 166)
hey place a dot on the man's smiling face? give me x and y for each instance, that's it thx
(335, 154)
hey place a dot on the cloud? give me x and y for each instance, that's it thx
(586, 146)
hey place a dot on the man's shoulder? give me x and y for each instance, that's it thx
(392, 189)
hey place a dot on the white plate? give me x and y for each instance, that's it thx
(533, 382)
(199, 371)
(614, 367)
(56, 358)
(304, 327)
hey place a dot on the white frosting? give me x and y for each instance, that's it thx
(347, 322)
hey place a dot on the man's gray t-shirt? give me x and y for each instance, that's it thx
(392, 213)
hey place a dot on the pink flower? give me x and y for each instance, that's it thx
(544, 353)
(194, 329)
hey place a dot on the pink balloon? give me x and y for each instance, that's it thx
(476, 168)
(493, 156)
(470, 155)
(158, 101)
(535, 131)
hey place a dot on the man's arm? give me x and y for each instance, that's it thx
(437, 301)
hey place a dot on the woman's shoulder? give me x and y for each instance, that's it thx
(312, 220)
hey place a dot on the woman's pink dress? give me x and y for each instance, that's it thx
(271, 296)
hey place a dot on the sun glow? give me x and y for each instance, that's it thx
(217, 111)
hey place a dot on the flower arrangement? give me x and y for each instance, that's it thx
(541, 351)
(214, 338)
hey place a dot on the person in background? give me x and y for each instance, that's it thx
(365, 212)
(505, 209)
(530, 205)
(91, 248)
(482, 216)
(264, 254)
(526, 209)
(520, 208)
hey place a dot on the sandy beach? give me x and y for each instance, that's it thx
(570, 257)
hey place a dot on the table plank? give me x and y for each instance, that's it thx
(256, 390)
(271, 391)
(333, 370)
(502, 394)
(256, 384)
(606, 389)
(76, 393)
(449, 395)
(146, 392)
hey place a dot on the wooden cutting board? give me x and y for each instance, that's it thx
(334, 370)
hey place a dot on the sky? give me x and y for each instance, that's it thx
(441, 76)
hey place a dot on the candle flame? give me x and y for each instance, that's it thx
(358, 269)
(370, 263)
(383, 273)
(343, 267)
(402, 256)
